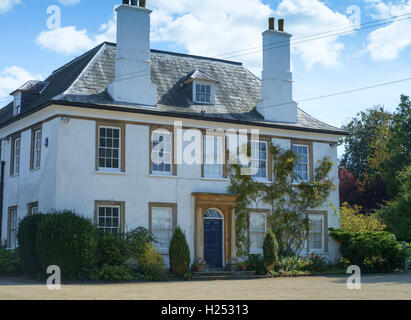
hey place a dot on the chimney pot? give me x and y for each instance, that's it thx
(281, 25)
(271, 22)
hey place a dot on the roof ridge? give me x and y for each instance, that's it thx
(186, 55)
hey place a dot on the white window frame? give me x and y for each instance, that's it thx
(163, 248)
(105, 169)
(296, 181)
(155, 137)
(217, 156)
(312, 216)
(13, 228)
(37, 149)
(211, 94)
(16, 156)
(106, 228)
(256, 159)
(264, 214)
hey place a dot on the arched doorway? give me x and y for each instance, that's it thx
(213, 238)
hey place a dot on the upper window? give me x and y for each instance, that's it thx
(301, 170)
(15, 161)
(109, 148)
(258, 227)
(109, 218)
(162, 152)
(316, 235)
(259, 159)
(203, 93)
(213, 156)
(162, 224)
(33, 208)
(36, 149)
(12, 228)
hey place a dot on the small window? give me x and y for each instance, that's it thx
(162, 152)
(12, 228)
(15, 161)
(33, 208)
(109, 150)
(301, 170)
(36, 149)
(213, 156)
(109, 218)
(316, 234)
(162, 221)
(203, 93)
(258, 227)
(17, 105)
(259, 159)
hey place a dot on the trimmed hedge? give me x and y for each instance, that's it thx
(179, 253)
(68, 241)
(270, 250)
(9, 262)
(27, 244)
(111, 249)
(370, 250)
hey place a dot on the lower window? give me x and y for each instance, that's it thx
(316, 236)
(258, 227)
(162, 223)
(33, 208)
(110, 217)
(12, 228)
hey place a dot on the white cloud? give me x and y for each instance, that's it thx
(69, 2)
(215, 27)
(6, 5)
(12, 78)
(386, 43)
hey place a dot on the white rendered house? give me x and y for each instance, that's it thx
(87, 137)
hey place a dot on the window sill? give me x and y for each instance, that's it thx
(154, 175)
(214, 179)
(34, 169)
(14, 175)
(115, 173)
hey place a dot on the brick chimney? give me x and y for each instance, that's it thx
(277, 103)
(132, 83)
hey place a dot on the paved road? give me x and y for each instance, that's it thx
(391, 286)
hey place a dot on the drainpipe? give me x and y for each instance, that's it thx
(3, 164)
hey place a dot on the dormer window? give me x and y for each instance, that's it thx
(200, 87)
(17, 105)
(203, 93)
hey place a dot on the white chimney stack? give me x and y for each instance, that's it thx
(277, 88)
(132, 82)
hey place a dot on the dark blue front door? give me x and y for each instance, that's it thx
(213, 243)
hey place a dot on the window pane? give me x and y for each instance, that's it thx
(301, 168)
(109, 219)
(161, 225)
(257, 230)
(161, 153)
(109, 148)
(259, 159)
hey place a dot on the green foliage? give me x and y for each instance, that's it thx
(351, 219)
(291, 263)
(150, 263)
(317, 263)
(27, 244)
(10, 262)
(397, 213)
(255, 262)
(179, 253)
(111, 250)
(370, 250)
(270, 249)
(113, 273)
(68, 241)
(289, 202)
(138, 238)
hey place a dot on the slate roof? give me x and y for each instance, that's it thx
(83, 83)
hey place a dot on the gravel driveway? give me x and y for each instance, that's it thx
(386, 286)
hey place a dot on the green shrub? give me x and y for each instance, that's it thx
(114, 273)
(352, 220)
(179, 253)
(291, 263)
(137, 239)
(372, 251)
(270, 249)
(111, 250)
(27, 244)
(68, 241)
(317, 263)
(150, 263)
(9, 262)
(255, 263)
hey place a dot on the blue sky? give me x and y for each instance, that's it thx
(213, 27)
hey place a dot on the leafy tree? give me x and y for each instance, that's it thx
(289, 202)
(397, 213)
(349, 187)
(368, 134)
(352, 220)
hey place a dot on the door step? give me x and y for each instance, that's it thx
(223, 275)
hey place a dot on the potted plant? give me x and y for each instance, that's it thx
(243, 266)
(198, 265)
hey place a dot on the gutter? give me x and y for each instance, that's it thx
(3, 164)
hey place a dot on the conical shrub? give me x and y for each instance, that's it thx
(179, 253)
(270, 250)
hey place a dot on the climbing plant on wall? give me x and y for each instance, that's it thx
(289, 201)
